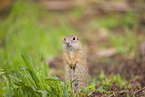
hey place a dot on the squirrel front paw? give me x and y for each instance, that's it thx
(72, 64)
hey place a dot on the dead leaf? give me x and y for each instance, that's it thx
(106, 52)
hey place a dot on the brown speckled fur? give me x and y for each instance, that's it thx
(80, 70)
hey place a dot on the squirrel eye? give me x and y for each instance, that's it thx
(77, 39)
(64, 39)
(73, 38)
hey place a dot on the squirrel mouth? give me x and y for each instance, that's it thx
(68, 45)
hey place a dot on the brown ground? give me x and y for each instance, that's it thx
(132, 70)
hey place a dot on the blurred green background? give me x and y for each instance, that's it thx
(30, 29)
(110, 31)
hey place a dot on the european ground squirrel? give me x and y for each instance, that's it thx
(75, 61)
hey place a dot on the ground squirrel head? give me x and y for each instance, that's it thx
(71, 42)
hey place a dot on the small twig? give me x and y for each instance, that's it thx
(116, 93)
(139, 90)
(129, 92)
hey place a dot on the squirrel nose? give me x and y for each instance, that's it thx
(67, 44)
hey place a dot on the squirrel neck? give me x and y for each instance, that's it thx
(71, 50)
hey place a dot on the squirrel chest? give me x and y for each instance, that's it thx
(71, 54)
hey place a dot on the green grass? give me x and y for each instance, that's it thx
(34, 79)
